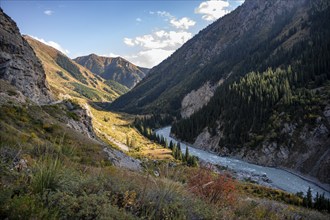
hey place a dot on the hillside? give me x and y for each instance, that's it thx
(19, 65)
(253, 37)
(266, 67)
(275, 117)
(68, 79)
(68, 158)
(116, 69)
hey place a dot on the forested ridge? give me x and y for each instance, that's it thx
(227, 49)
(249, 107)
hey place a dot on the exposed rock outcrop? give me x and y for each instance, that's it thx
(306, 150)
(120, 159)
(80, 119)
(195, 100)
(19, 64)
(206, 141)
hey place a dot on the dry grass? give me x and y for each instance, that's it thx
(119, 126)
(61, 87)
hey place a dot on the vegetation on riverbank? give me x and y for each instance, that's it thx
(50, 172)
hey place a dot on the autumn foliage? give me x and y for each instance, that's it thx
(214, 188)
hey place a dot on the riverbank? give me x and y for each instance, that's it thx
(274, 177)
(313, 180)
(324, 186)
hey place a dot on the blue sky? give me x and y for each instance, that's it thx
(144, 32)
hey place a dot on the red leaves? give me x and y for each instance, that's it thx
(214, 188)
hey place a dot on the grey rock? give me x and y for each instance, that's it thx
(122, 160)
(195, 100)
(19, 65)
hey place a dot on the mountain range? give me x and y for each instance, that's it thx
(116, 69)
(251, 85)
(69, 79)
(62, 152)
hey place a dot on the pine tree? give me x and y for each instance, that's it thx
(171, 145)
(186, 154)
(309, 198)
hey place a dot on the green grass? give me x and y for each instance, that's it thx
(87, 92)
(117, 87)
(69, 177)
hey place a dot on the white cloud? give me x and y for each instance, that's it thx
(138, 19)
(156, 47)
(110, 55)
(53, 44)
(163, 14)
(149, 58)
(160, 44)
(212, 10)
(113, 55)
(183, 23)
(160, 40)
(48, 12)
(129, 42)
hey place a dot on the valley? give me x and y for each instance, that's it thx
(235, 124)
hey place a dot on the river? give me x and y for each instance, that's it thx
(279, 178)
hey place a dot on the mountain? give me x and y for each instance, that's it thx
(252, 37)
(19, 65)
(116, 69)
(277, 116)
(253, 85)
(57, 160)
(69, 79)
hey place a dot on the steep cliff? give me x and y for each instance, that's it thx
(19, 65)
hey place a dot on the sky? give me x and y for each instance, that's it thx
(145, 32)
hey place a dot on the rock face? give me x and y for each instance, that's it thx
(117, 69)
(195, 100)
(306, 150)
(19, 65)
(120, 159)
(83, 121)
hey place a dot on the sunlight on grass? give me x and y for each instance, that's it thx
(119, 127)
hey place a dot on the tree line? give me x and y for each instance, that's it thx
(319, 202)
(242, 108)
(141, 126)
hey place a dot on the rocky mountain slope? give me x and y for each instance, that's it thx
(69, 79)
(53, 167)
(117, 69)
(249, 38)
(19, 65)
(268, 61)
(275, 117)
(46, 125)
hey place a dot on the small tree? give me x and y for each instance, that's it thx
(186, 157)
(309, 198)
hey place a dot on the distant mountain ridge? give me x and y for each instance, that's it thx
(69, 79)
(113, 68)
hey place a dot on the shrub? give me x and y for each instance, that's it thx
(47, 175)
(214, 188)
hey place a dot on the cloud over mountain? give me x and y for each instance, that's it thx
(212, 10)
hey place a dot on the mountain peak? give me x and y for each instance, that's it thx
(113, 68)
